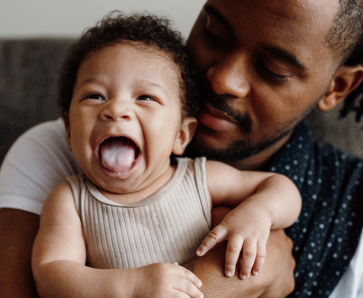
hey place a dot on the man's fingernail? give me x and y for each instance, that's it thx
(200, 284)
(244, 276)
(201, 295)
(229, 273)
(255, 272)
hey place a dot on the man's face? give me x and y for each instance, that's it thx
(263, 65)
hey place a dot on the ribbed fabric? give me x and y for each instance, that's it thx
(166, 227)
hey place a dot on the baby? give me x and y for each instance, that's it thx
(128, 99)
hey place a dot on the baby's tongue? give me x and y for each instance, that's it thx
(117, 154)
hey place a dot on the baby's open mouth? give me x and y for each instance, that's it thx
(118, 154)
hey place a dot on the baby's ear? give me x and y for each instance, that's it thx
(185, 135)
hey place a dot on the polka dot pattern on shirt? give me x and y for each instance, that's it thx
(327, 232)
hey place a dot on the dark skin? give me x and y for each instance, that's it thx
(263, 65)
(266, 60)
(271, 282)
(17, 281)
(18, 230)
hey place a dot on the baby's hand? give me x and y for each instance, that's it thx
(243, 226)
(166, 280)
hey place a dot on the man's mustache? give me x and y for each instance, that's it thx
(220, 103)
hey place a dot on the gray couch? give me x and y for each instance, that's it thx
(28, 95)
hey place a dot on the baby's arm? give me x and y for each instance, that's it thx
(59, 257)
(261, 201)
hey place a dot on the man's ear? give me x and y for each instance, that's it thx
(185, 135)
(345, 80)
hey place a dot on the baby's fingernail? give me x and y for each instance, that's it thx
(229, 273)
(199, 252)
(255, 272)
(244, 276)
(200, 284)
(201, 295)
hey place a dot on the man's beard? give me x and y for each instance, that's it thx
(239, 149)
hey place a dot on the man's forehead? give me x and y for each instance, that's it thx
(297, 25)
(304, 11)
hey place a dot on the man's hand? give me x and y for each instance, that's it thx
(275, 280)
(17, 232)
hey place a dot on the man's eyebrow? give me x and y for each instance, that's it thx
(286, 55)
(210, 9)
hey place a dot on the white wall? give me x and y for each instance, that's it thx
(68, 18)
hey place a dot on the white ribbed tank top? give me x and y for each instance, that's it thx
(166, 227)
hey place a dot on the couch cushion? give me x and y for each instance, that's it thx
(28, 84)
(345, 134)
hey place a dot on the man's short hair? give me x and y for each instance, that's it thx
(138, 30)
(345, 39)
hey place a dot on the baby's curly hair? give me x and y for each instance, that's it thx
(137, 29)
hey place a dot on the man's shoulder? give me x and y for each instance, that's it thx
(39, 143)
(38, 161)
(53, 129)
(333, 157)
(45, 145)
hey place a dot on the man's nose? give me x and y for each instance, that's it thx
(117, 110)
(229, 76)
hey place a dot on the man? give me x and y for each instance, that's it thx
(263, 65)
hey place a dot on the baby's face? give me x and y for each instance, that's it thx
(125, 117)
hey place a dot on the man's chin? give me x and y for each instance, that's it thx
(236, 151)
(211, 152)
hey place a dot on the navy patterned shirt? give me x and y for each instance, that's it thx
(326, 234)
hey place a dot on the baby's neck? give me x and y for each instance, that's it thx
(139, 195)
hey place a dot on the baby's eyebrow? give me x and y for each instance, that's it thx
(93, 80)
(152, 83)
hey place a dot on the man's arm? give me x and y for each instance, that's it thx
(18, 230)
(17, 233)
(37, 162)
(275, 280)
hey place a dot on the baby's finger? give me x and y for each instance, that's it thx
(187, 275)
(187, 289)
(260, 257)
(248, 258)
(233, 252)
(215, 236)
